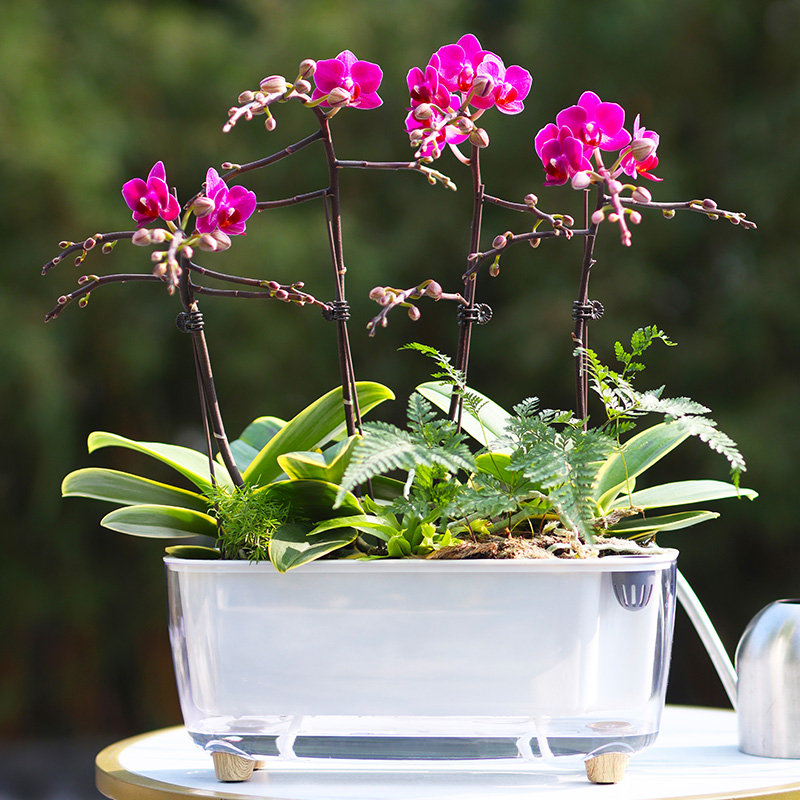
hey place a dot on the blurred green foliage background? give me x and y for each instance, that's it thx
(93, 93)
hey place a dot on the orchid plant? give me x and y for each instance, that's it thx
(306, 484)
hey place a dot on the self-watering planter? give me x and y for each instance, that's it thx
(423, 659)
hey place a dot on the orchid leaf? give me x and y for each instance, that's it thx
(291, 545)
(192, 464)
(365, 523)
(312, 500)
(253, 439)
(328, 465)
(636, 456)
(160, 522)
(313, 427)
(126, 489)
(490, 423)
(635, 527)
(498, 465)
(682, 493)
(193, 551)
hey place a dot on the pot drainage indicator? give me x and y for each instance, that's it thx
(633, 590)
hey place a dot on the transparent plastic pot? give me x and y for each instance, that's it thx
(423, 659)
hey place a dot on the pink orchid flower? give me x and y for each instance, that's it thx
(595, 123)
(232, 207)
(457, 63)
(511, 86)
(151, 199)
(360, 79)
(433, 145)
(561, 153)
(633, 166)
(426, 87)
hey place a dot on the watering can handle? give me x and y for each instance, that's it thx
(708, 635)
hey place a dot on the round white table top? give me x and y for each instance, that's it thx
(696, 755)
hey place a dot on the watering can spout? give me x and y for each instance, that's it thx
(708, 635)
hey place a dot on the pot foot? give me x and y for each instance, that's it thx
(230, 768)
(607, 767)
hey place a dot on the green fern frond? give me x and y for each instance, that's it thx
(450, 375)
(566, 467)
(623, 404)
(429, 443)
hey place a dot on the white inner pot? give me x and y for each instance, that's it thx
(434, 658)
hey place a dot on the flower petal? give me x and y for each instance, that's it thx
(367, 75)
(329, 74)
(133, 191)
(367, 101)
(611, 117)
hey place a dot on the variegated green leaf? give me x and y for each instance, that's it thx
(489, 425)
(291, 545)
(189, 463)
(635, 527)
(160, 522)
(126, 489)
(681, 493)
(319, 423)
(638, 454)
(328, 465)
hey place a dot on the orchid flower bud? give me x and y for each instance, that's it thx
(274, 84)
(413, 313)
(422, 112)
(581, 180)
(377, 293)
(434, 290)
(339, 97)
(464, 125)
(642, 148)
(482, 86)
(307, 68)
(614, 186)
(246, 96)
(222, 239)
(302, 86)
(479, 137)
(641, 195)
(141, 238)
(207, 242)
(203, 206)
(158, 236)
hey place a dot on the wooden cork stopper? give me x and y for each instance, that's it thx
(230, 768)
(607, 767)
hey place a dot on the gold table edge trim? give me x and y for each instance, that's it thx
(118, 784)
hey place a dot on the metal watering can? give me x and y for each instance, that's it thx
(764, 688)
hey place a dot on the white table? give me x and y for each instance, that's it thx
(696, 755)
